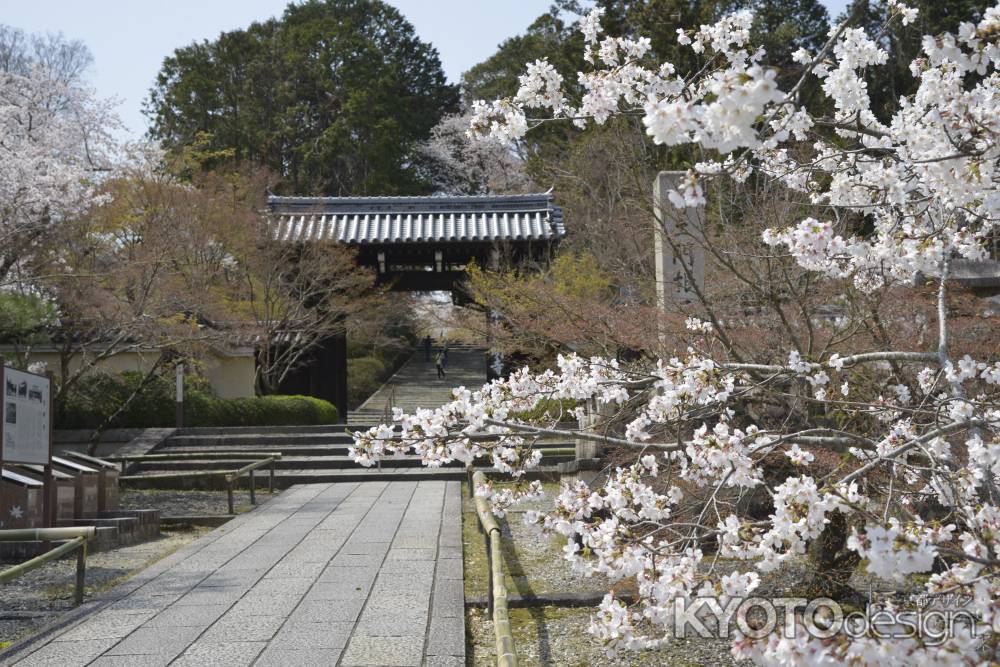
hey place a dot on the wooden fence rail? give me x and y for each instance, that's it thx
(77, 540)
(231, 477)
(506, 656)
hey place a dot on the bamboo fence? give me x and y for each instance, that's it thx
(506, 656)
(76, 537)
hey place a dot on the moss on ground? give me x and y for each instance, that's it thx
(534, 565)
(530, 559)
(473, 550)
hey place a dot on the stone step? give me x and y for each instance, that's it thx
(244, 430)
(321, 450)
(284, 450)
(338, 449)
(285, 463)
(284, 479)
(287, 478)
(258, 441)
(296, 462)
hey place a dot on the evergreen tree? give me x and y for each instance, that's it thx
(333, 97)
(887, 85)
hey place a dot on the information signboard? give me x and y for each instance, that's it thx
(24, 430)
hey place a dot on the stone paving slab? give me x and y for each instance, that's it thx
(344, 574)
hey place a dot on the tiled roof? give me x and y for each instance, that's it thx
(381, 220)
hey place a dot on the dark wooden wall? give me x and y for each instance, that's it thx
(322, 375)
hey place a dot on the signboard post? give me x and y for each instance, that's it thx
(680, 258)
(179, 396)
(26, 428)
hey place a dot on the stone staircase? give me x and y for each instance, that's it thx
(319, 454)
(416, 385)
(309, 454)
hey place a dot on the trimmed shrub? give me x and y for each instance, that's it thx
(98, 396)
(261, 411)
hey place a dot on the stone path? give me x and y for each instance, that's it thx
(416, 385)
(346, 574)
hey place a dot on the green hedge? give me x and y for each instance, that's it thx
(97, 397)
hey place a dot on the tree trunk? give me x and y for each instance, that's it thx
(831, 564)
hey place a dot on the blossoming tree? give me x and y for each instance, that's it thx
(918, 492)
(55, 138)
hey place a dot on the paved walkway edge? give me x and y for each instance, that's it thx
(22, 648)
(346, 574)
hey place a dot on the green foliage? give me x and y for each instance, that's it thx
(781, 27)
(579, 275)
(549, 409)
(23, 317)
(357, 347)
(332, 97)
(97, 397)
(364, 376)
(260, 411)
(576, 275)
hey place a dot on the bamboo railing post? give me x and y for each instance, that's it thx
(197, 456)
(76, 539)
(47, 534)
(506, 657)
(489, 574)
(229, 494)
(270, 478)
(81, 572)
(497, 594)
(253, 489)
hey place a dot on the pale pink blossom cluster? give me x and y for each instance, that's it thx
(624, 528)
(927, 180)
(55, 141)
(933, 194)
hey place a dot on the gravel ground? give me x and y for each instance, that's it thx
(558, 636)
(38, 597)
(188, 502)
(534, 565)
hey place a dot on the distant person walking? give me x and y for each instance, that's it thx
(427, 348)
(439, 364)
(444, 355)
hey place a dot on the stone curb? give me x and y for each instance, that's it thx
(585, 599)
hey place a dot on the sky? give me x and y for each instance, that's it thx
(130, 38)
